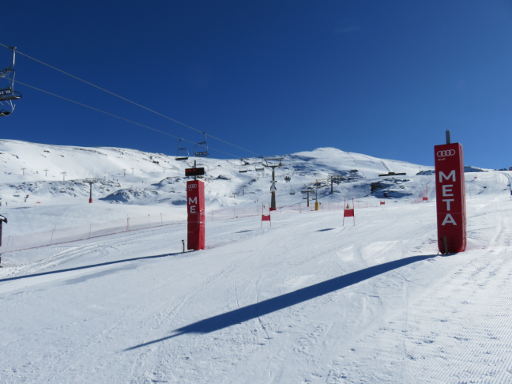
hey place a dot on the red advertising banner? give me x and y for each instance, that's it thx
(196, 216)
(451, 199)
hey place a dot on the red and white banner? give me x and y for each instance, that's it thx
(451, 199)
(196, 216)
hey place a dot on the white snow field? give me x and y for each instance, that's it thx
(308, 300)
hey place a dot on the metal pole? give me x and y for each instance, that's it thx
(273, 193)
(354, 208)
(448, 136)
(3, 219)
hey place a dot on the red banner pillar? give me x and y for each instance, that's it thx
(451, 199)
(195, 215)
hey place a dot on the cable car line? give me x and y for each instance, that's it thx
(121, 97)
(130, 121)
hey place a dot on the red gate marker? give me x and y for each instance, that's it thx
(450, 198)
(195, 215)
(349, 212)
(266, 217)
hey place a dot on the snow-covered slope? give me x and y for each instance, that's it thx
(131, 176)
(307, 300)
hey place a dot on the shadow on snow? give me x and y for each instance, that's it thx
(277, 303)
(89, 266)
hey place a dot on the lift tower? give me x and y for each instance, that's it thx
(273, 163)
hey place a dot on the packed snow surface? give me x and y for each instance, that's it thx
(307, 300)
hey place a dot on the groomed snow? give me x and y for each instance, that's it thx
(306, 301)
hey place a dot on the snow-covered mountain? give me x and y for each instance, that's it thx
(47, 173)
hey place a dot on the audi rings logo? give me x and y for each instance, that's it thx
(445, 153)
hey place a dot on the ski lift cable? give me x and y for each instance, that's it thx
(121, 97)
(90, 107)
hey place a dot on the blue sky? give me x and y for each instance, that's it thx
(384, 78)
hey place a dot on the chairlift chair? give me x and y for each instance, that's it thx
(204, 145)
(390, 173)
(244, 167)
(7, 93)
(182, 152)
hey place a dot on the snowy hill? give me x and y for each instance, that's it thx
(307, 300)
(132, 176)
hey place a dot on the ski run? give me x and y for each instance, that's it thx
(307, 300)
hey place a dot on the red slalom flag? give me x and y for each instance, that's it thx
(349, 212)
